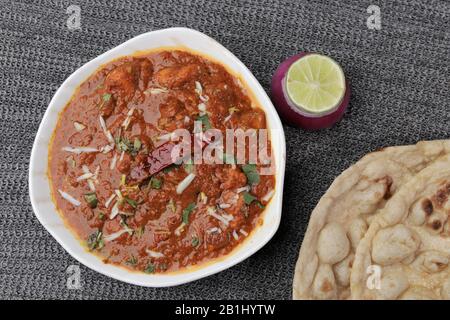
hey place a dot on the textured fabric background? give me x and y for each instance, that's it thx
(400, 94)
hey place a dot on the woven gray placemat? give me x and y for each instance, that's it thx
(400, 94)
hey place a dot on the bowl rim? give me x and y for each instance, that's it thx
(203, 270)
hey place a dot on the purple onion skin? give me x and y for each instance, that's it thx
(294, 118)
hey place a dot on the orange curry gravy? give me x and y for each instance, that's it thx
(147, 225)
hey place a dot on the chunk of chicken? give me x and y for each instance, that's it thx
(173, 77)
(231, 178)
(217, 240)
(254, 119)
(146, 72)
(122, 80)
(234, 203)
(173, 115)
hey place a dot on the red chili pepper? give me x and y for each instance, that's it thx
(157, 160)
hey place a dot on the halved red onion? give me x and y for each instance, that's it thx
(296, 116)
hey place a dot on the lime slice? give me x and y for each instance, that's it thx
(315, 83)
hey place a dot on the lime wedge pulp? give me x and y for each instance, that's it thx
(315, 83)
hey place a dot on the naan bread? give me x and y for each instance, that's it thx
(345, 212)
(409, 242)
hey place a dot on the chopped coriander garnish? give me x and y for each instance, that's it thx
(132, 261)
(249, 199)
(252, 173)
(195, 242)
(131, 202)
(106, 97)
(101, 215)
(95, 240)
(123, 144)
(206, 124)
(150, 268)
(91, 199)
(187, 211)
(169, 168)
(137, 144)
(155, 183)
(260, 205)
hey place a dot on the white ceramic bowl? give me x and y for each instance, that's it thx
(46, 211)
